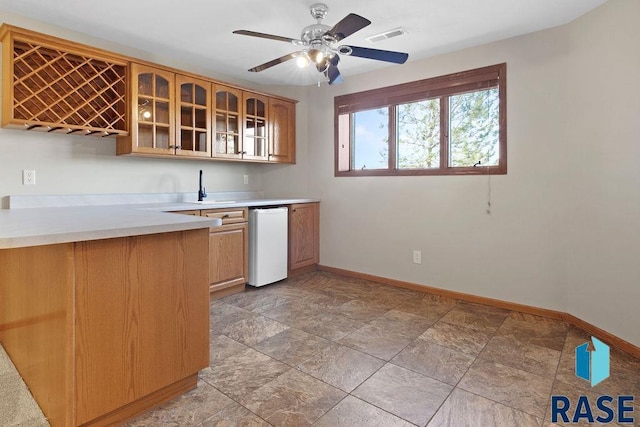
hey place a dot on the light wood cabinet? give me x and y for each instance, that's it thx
(141, 326)
(106, 329)
(53, 85)
(171, 114)
(304, 235)
(193, 115)
(227, 140)
(255, 130)
(282, 131)
(153, 112)
(228, 251)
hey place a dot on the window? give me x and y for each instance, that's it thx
(370, 139)
(446, 125)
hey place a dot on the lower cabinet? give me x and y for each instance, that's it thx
(228, 251)
(103, 330)
(304, 235)
(140, 326)
(229, 245)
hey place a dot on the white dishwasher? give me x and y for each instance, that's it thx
(267, 245)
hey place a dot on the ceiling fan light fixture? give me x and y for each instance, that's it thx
(323, 64)
(316, 55)
(302, 61)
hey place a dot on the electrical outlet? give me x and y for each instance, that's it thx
(246, 179)
(417, 257)
(28, 177)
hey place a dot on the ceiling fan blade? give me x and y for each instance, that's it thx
(332, 73)
(264, 36)
(380, 55)
(271, 63)
(349, 25)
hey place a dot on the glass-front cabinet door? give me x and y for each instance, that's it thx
(254, 138)
(227, 138)
(193, 117)
(153, 96)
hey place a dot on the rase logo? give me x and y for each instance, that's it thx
(593, 366)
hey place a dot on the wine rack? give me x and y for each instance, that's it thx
(53, 89)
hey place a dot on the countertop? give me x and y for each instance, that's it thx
(211, 204)
(51, 225)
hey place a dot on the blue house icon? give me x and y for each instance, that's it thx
(593, 365)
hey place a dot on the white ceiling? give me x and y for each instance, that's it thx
(199, 32)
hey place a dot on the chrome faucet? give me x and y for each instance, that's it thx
(201, 190)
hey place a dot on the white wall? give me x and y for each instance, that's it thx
(563, 233)
(603, 120)
(86, 165)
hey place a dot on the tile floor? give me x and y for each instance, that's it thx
(327, 350)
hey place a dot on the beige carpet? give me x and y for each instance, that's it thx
(17, 406)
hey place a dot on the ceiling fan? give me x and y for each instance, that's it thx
(321, 47)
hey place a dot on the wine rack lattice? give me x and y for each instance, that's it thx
(68, 90)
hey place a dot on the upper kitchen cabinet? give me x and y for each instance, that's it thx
(250, 126)
(227, 139)
(254, 139)
(282, 131)
(193, 117)
(153, 121)
(54, 85)
(59, 86)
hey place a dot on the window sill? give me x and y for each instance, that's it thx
(481, 170)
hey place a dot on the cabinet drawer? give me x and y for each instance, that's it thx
(228, 216)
